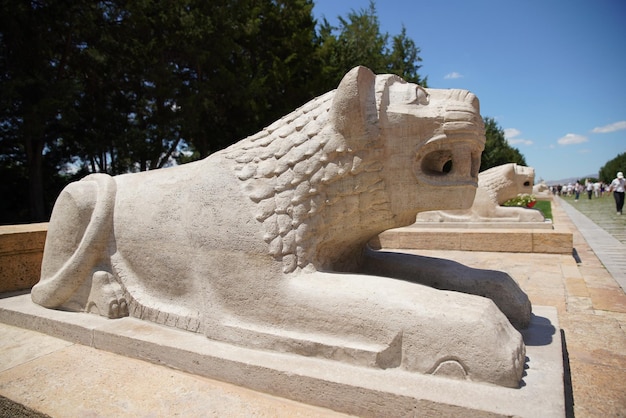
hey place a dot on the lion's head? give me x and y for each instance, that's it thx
(356, 161)
(506, 181)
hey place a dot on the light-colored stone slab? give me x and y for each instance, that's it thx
(342, 387)
(417, 237)
(554, 242)
(79, 381)
(514, 241)
(547, 224)
(18, 346)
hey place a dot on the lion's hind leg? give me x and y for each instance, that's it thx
(106, 297)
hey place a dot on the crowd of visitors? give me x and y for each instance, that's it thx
(594, 189)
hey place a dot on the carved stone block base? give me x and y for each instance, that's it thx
(510, 240)
(21, 252)
(332, 384)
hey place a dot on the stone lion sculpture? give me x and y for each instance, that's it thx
(263, 244)
(542, 190)
(541, 187)
(495, 186)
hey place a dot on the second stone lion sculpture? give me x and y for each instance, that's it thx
(263, 244)
(495, 186)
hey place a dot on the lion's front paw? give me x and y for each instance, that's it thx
(106, 297)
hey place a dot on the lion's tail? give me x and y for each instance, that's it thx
(77, 240)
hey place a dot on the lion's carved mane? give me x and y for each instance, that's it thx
(311, 178)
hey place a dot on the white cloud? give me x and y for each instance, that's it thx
(511, 135)
(453, 75)
(570, 139)
(520, 141)
(617, 126)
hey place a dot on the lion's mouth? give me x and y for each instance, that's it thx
(449, 161)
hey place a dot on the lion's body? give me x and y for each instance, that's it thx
(244, 246)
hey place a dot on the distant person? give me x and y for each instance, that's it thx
(577, 188)
(589, 187)
(617, 187)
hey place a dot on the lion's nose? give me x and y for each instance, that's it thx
(461, 163)
(465, 163)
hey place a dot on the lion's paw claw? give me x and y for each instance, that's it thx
(106, 296)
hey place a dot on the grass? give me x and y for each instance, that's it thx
(545, 206)
(596, 208)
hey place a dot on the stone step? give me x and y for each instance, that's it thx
(513, 240)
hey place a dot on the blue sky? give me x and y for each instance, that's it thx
(551, 72)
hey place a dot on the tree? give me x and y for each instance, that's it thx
(37, 44)
(358, 41)
(497, 150)
(404, 59)
(115, 87)
(610, 169)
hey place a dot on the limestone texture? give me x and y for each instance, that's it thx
(263, 244)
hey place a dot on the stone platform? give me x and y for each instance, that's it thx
(486, 225)
(323, 383)
(549, 237)
(484, 236)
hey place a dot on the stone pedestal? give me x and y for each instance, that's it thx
(359, 391)
(21, 252)
(502, 240)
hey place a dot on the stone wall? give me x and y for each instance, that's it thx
(21, 252)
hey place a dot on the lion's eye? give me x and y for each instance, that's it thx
(437, 163)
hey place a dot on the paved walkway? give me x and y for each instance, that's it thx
(610, 250)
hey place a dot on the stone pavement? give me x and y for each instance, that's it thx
(63, 379)
(591, 307)
(603, 236)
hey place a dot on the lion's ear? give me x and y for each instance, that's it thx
(354, 112)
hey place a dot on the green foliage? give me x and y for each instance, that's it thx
(404, 58)
(526, 200)
(522, 199)
(609, 170)
(115, 86)
(497, 150)
(36, 49)
(358, 41)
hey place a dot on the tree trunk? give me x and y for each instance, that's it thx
(34, 149)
